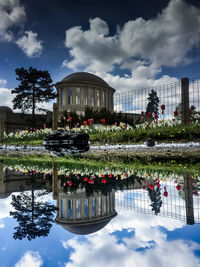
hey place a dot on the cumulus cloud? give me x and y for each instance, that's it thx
(6, 100)
(6, 97)
(140, 46)
(110, 252)
(30, 45)
(31, 259)
(12, 13)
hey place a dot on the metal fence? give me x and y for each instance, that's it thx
(181, 205)
(135, 101)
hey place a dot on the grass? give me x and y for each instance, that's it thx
(168, 134)
(97, 162)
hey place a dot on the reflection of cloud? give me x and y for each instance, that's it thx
(2, 225)
(5, 207)
(30, 259)
(149, 250)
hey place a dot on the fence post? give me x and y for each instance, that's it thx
(185, 101)
(55, 117)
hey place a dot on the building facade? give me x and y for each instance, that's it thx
(80, 90)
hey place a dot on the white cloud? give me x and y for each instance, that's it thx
(6, 100)
(30, 259)
(12, 13)
(140, 46)
(30, 45)
(6, 97)
(110, 252)
(2, 82)
(2, 225)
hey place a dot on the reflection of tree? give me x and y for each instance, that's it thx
(34, 217)
(155, 197)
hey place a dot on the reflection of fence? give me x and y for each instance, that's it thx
(171, 95)
(181, 205)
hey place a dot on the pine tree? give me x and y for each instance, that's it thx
(153, 103)
(156, 201)
(35, 87)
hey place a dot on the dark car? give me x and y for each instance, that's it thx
(64, 142)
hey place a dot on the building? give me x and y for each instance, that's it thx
(80, 90)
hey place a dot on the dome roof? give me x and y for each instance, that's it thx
(6, 109)
(4, 195)
(85, 228)
(85, 77)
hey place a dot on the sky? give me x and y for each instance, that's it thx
(130, 44)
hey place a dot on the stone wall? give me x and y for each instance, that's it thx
(12, 122)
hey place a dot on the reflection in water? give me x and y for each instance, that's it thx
(86, 200)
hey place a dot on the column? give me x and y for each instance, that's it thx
(2, 129)
(66, 208)
(74, 95)
(55, 180)
(90, 207)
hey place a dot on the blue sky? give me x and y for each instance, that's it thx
(130, 44)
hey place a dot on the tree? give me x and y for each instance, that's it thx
(35, 87)
(35, 218)
(153, 103)
(156, 201)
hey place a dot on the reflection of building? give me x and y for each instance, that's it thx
(80, 214)
(15, 181)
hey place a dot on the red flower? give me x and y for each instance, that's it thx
(35, 130)
(110, 175)
(162, 106)
(103, 121)
(165, 194)
(70, 183)
(152, 186)
(69, 119)
(103, 181)
(157, 184)
(102, 175)
(165, 188)
(85, 179)
(176, 113)
(90, 121)
(85, 123)
(90, 181)
(155, 116)
(149, 114)
(34, 172)
(178, 187)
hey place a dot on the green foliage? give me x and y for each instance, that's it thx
(153, 103)
(35, 87)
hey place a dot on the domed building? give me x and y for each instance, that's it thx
(80, 90)
(83, 215)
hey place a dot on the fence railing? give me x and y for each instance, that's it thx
(178, 95)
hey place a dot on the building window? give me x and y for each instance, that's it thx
(69, 95)
(86, 211)
(70, 212)
(98, 99)
(78, 92)
(85, 96)
(92, 97)
(62, 96)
